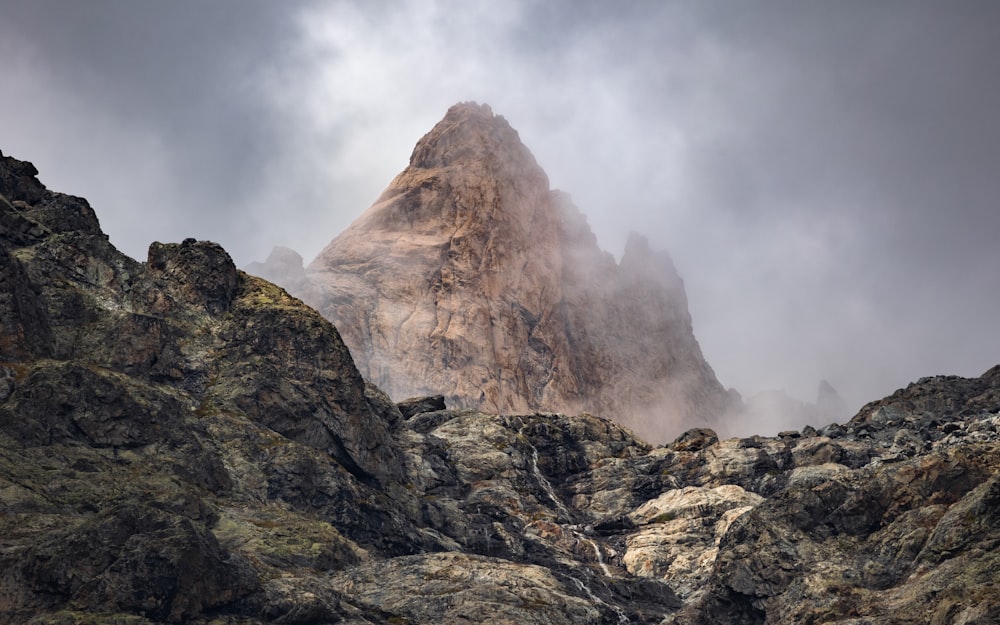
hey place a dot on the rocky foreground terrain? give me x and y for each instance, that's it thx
(181, 442)
(470, 277)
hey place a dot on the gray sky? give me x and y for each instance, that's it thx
(824, 174)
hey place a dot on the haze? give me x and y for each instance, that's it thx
(824, 175)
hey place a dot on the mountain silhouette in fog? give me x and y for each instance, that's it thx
(471, 278)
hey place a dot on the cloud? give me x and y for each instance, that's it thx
(147, 110)
(821, 173)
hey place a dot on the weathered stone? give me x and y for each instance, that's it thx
(680, 533)
(24, 323)
(69, 403)
(418, 405)
(478, 590)
(695, 440)
(36, 210)
(132, 559)
(184, 443)
(286, 367)
(197, 273)
(470, 277)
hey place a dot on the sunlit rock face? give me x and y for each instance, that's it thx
(470, 277)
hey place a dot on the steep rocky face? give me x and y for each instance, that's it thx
(183, 443)
(179, 318)
(889, 519)
(470, 277)
(121, 381)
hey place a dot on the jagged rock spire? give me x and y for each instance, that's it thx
(470, 277)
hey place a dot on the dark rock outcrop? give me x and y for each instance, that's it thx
(183, 443)
(417, 405)
(127, 389)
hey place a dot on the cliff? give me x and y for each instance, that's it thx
(470, 277)
(183, 443)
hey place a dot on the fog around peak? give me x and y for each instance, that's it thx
(822, 174)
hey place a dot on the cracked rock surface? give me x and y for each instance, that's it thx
(470, 277)
(181, 442)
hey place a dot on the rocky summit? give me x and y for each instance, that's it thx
(470, 277)
(181, 442)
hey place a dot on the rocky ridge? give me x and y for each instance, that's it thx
(181, 442)
(470, 277)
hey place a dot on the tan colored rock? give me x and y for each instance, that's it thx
(459, 588)
(680, 533)
(815, 474)
(470, 277)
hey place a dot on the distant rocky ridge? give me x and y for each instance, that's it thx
(470, 277)
(181, 442)
(772, 410)
(284, 266)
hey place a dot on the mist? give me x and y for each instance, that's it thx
(821, 174)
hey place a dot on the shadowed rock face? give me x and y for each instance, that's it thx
(183, 443)
(470, 277)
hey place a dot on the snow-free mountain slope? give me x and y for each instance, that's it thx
(470, 277)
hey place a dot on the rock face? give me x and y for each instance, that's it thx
(470, 277)
(183, 443)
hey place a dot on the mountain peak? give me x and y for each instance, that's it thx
(470, 109)
(29, 211)
(471, 135)
(470, 277)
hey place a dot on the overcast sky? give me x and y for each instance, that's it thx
(825, 175)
